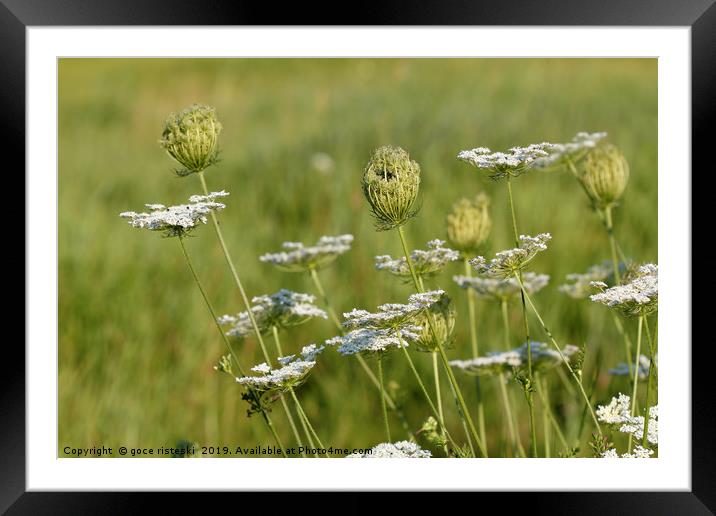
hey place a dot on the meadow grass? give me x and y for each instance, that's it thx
(136, 348)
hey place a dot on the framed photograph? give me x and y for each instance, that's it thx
(254, 251)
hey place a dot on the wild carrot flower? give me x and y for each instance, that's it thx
(618, 414)
(391, 182)
(638, 296)
(605, 176)
(502, 164)
(425, 262)
(191, 138)
(282, 309)
(507, 263)
(293, 372)
(176, 221)
(638, 453)
(370, 342)
(496, 289)
(495, 363)
(622, 369)
(469, 224)
(298, 258)
(398, 450)
(572, 151)
(391, 315)
(581, 284)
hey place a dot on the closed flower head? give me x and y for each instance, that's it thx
(605, 176)
(440, 317)
(191, 138)
(391, 182)
(469, 224)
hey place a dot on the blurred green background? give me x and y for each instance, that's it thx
(136, 344)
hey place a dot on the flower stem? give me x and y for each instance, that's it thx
(649, 381)
(511, 424)
(382, 398)
(462, 407)
(544, 397)
(564, 359)
(635, 384)
(265, 415)
(528, 390)
(366, 368)
(612, 242)
(475, 354)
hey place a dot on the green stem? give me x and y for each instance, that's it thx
(366, 368)
(559, 350)
(636, 373)
(511, 424)
(382, 398)
(649, 381)
(266, 417)
(475, 354)
(463, 412)
(528, 390)
(544, 398)
(612, 243)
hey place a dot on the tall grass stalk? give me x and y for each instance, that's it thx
(635, 380)
(462, 407)
(528, 389)
(382, 399)
(209, 306)
(502, 381)
(649, 381)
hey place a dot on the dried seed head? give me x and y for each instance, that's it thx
(606, 173)
(191, 138)
(441, 315)
(469, 224)
(391, 181)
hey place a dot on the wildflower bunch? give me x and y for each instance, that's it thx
(495, 363)
(639, 296)
(623, 369)
(425, 262)
(191, 138)
(398, 450)
(176, 221)
(298, 258)
(390, 183)
(469, 224)
(293, 372)
(507, 263)
(573, 151)
(502, 164)
(497, 289)
(282, 309)
(581, 284)
(618, 414)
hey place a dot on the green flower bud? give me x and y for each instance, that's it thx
(442, 317)
(606, 173)
(391, 181)
(191, 138)
(469, 224)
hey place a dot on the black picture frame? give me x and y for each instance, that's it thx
(700, 15)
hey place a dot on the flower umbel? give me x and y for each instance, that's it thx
(298, 258)
(496, 289)
(425, 262)
(513, 163)
(507, 263)
(469, 224)
(391, 181)
(639, 296)
(581, 284)
(176, 221)
(543, 359)
(573, 151)
(293, 372)
(191, 138)
(282, 310)
(399, 450)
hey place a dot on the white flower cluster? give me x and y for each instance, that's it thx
(283, 309)
(639, 453)
(640, 296)
(298, 258)
(573, 151)
(496, 289)
(500, 164)
(618, 412)
(293, 372)
(399, 450)
(425, 262)
(388, 328)
(507, 263)
(581, 284)
(622, 368)
(543, 358)
(176, 220)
